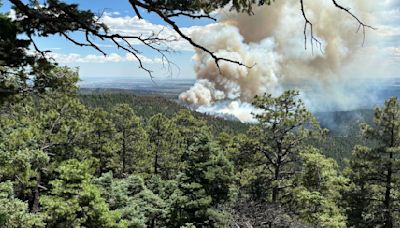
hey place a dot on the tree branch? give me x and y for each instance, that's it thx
(70, 21)
(176, 28)
(361, 24)
(312, 37)
(43, 21)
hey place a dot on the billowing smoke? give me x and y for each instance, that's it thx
(272, 41)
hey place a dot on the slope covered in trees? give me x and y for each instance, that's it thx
(118, 160)
(146, 106)
(103, 164)
(344, 130)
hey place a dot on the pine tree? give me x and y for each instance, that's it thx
(131, 137)
(189, 127)
(284, 126)
(14, 213)
(358, 198)
(317, 195)
(74, 200)
(205, 186)
(22, 156)
(38, 133)
(165, 147)
(138, 205)
(375, 171)
(101, 142)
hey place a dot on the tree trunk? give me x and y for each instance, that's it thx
(388, 185)
(275, 189)
(153, 223)
(387, 201)
(123, 151)
(156, 158)
(35, 206)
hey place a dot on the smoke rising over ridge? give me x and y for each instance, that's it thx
(272, 41)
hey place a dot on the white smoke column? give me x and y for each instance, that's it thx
(242, 111)
(232, 80)
(272, 39)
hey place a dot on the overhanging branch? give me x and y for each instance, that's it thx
(149, 7)
(69, 19)
(361, 23)
(308, 23)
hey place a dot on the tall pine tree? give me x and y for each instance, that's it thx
(375, 171)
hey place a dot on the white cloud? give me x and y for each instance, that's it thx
(387, 15)
(394, 51)
(111, 58)
(133, 26)
(12, 14)
(115, 13)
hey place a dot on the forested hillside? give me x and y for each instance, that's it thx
(146, 106)
(121, 160)
(108, 158)
(344, 127)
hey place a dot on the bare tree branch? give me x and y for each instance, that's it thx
(42, 53)
(361, 24)
(312, 37)
(93, 28)
(176, 28)
(194, 16)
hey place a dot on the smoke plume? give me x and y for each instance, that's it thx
(272, 41)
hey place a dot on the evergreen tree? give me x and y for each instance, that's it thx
(22, 157)
(358, 197)
(101, 141)
(165, 146)
(38, 133)
(75, 201)
(317, 196)
(138, 205)
(375, 171)
(206, 186)
(14, 213)
(131, 136)
(284, 126)
(189, 127)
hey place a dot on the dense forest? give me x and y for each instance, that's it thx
(75, 159)
(344, 126)
(119, 160)
(148, 105)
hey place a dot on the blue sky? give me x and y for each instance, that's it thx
(120, 17)
(92, 64)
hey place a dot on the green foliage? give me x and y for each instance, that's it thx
(64, 164)
(74, 201)
(282, 132)
(165, 146)
(131, 138)
(146, 106)
(319, 191)
(375, 171)
(173, 167)
(23, 71)
(206, 186)
(189, 127)
(14, 212)
(101, 141)
(138, 205)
